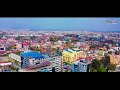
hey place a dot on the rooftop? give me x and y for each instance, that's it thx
(40, 65)
(32, 54)
(75, 49)
(68, 51)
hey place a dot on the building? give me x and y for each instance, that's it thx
(19, 46)
(80, 66)
(15, 57)
(2, 50)
(114, 59)
(34, 43)
(58, 61)
(72, 55)
(55, 58)
(33, 60)
(52, 68)
(25, 45)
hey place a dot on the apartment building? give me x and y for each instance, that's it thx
(72, 55)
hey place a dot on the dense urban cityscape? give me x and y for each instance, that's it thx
(59, 51)
(28, 50)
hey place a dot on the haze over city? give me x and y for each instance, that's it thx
(88, 24)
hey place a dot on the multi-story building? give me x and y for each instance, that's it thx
(55, 58)
(19, 46)
(114, 59)
(80, 66)
(72, 55)
(52, 68)
(2, 50)
(33, 60)
(58, 61)
(15, 57)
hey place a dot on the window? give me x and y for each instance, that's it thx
(37, 63)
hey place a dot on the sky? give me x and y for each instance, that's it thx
(86, 24)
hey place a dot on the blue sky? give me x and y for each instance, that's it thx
(60, 23)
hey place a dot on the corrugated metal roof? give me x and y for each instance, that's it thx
(32, 54)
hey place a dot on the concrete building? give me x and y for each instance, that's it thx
(15, 57)
(33, 60)
(54, 58)
(52, 68)
(58, 61)
(72, 55)
(114, 59)
(80, 66)
(19, 46)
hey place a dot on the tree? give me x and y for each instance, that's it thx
(107, 47)
(66, 71)
(88, 67)
(67, 42)
(18, 53)
(14, 47)
(71, 46)
(51, 38)
(18, 38)
(55, 39)
(13, 68)
(93, 70)
(110, 52)
(111, 67)
(92, 46)
(101, 69)
(107, 60)
(32, 37)
(96, 64)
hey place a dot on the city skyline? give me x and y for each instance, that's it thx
(89, 24)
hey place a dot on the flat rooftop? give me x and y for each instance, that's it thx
(35, 55)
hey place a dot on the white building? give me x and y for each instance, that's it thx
(58, 61)
(15, 57)
(50, 68)
(2, 48)
(19, 46)
(80, 66)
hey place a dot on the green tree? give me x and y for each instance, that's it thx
(51, 38)
(55, 39)
(110, 52)
(88, 67)
(14, 47)
(96, 64)
(101, 69)
(18, 38)
(13, 68)
(71, 46)
(18, 53)
(67, 42)
(107, 61)
(93, 70)
(107, 47)
(32, 37)
(112, 67)
(66, 71)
